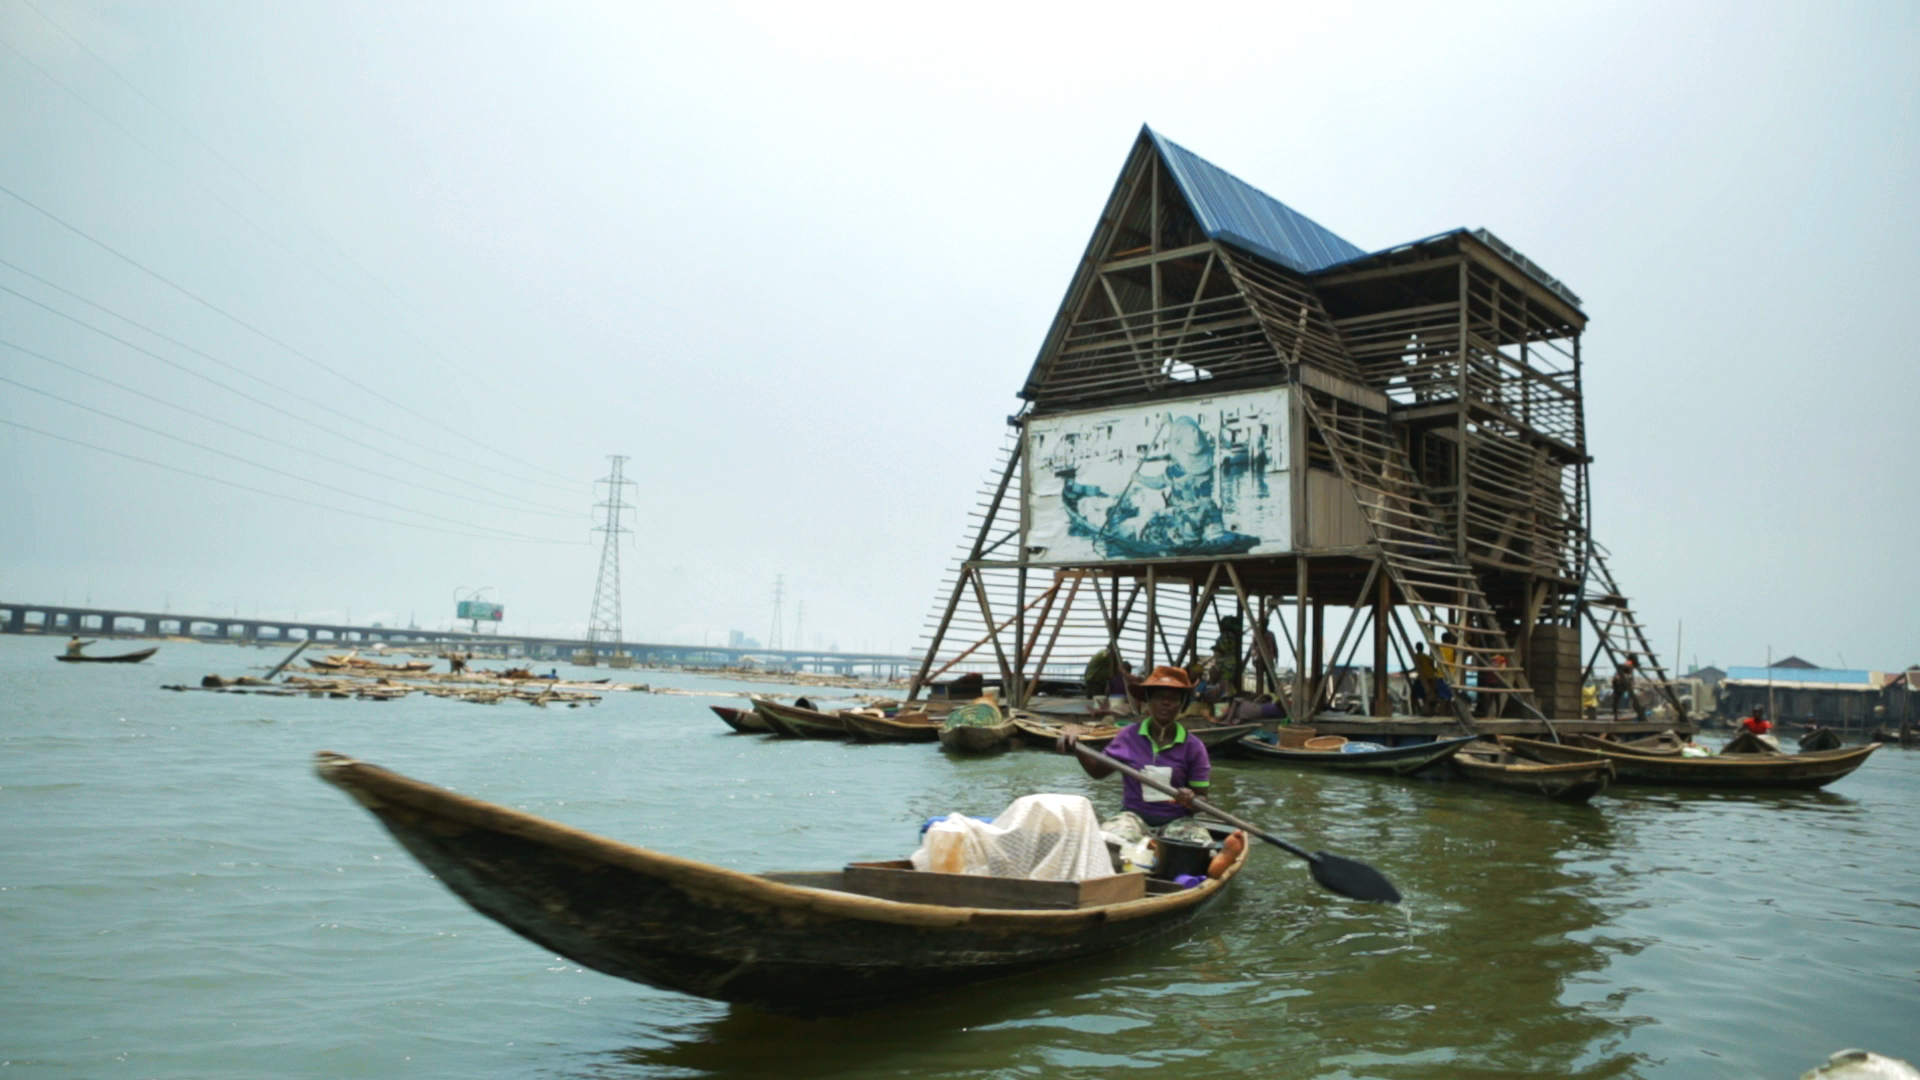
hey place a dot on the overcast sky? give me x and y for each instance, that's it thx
(794, 260)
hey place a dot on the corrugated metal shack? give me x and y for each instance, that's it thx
(1834, 697)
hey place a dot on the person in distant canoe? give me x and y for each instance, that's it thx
(1758, 722)
(75, 645)
(1162, 748)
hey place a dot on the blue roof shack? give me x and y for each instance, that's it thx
(1240, 420)
(1797, 693)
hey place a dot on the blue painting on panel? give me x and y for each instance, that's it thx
(1143, 483)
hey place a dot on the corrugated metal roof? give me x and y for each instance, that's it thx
(1781, 676)
(1235, 211)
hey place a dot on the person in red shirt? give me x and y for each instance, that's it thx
(1757, 723)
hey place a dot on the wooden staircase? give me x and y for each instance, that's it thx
(1621, 637)
(1418, 551)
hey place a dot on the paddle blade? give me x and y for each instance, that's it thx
(1352, 879)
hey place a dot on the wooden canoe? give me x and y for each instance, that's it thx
(123, 658)
(1781, 771)
(745, 721)
(805, 944)
(1820, 739)
(1571, 781)
(1043, 732)
(978, 728)
(799, 721)
(1219, 735)
(1399, 760)
(901, 727)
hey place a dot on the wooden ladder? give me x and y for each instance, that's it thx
(1420, 557)
(1621, 637)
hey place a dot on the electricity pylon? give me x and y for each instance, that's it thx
(603, 625)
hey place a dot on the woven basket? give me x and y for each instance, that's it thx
(1326, 742)
(1293, 738)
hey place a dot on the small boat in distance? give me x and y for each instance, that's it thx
(799, 720)
(123, 658)
(1754, 771)
(1572, 781)
(976, 728)
(1399, 760)
(874, 725)
(744, 721)
(820, 943)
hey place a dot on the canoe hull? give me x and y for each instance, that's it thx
(977, 738)
(889, 729)
(1572, 782)
(123, 658)
(744, 721)
(1398, 760)
(798, 723)
(788, 946)
(1756, 771)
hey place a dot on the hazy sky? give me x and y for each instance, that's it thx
(795, 260)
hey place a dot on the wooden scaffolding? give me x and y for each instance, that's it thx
(1422, 411)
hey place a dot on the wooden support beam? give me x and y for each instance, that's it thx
(959, 584)
(1300, 588)
(1382, 608)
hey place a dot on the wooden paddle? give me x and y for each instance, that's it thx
(1348, 877)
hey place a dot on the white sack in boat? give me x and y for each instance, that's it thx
(1038, 837)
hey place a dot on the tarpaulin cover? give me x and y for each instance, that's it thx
(1037, 837)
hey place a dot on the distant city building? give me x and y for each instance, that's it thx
(739, 640)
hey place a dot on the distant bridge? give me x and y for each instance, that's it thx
(63, 619)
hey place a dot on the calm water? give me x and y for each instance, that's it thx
(180, 897)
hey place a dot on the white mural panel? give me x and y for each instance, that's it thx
(1200, 476)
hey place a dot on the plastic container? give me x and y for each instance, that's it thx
(1176, 858)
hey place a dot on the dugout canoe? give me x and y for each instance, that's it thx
(1756, 771)
(745, 721)
(1571, 781)
(1398, 760)
(1216, 736)
(1821, 739)
(976, 728)
(803, 944)
(876, 726)
(798, 721)
(123, 658)
(1043, 732)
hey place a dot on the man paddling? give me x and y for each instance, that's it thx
(1162, 748)
(75, 646)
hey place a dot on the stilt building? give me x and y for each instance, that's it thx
(1240, 419)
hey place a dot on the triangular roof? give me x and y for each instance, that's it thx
(1230, 209)
(1207, 205)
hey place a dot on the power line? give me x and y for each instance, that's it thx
(261, 190)
(238, 321)
(263, 403)
(263, 491)
(265, 468)
(270, 439)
